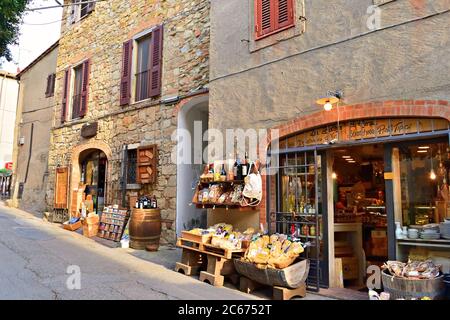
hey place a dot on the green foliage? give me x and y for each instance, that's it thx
(11, 12)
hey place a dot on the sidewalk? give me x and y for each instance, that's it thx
(159, 265)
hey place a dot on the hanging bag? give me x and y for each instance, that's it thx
(252, 193)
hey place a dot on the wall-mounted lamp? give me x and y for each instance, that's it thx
(332, 98)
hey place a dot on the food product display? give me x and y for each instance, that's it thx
(223, 236)
(413, 269)
(276, 251)
(220, 194)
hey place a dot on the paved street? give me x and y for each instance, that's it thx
(35, 255)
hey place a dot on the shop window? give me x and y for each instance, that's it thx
(424, 183)
(141, 73)
(272, 16)
(50, 88)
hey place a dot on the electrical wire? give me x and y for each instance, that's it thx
(64, 5)
(41, 24)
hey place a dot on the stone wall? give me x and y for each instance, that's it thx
(99, 37)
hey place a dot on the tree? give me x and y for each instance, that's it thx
(11, 12)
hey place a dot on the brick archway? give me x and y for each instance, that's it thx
(75, 175)
(369, 110)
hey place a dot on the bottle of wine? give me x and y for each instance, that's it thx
(238, 168)
(245, 166)
(223, 173)
(154, 203)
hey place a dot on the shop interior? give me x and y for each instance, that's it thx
(360, 220)
(93, 178)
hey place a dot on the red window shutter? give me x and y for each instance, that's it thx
(125, 81)
(264, 17)
(84, 88)
(156, 48)
(65, 95)
(284, 13)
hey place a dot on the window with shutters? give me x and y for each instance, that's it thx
(81, 9)
(75, 91)
(141, 71)
(131, 166)
(50, 88)
(77, 85)
(272, 16)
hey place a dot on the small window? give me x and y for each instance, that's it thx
(272, 16)
(77, 87)
(50, 88)
(143, 69)
(131, 166)
(80, 9)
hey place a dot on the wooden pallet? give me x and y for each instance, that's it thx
(279, 293)
(186, 243)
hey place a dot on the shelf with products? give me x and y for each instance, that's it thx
(112, 223)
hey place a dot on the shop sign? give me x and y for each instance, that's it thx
(365, 129)
(9, 166)
(89, 130)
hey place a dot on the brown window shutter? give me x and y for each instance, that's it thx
(125, 81)
(61, 187)
(156, 49)
(284, 13)
(65, 95)
(147, 161)
(264, 17)
(85, 88)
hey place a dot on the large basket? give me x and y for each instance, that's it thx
(291, 277)
(402, 288)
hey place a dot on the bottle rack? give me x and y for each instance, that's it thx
(112, 224)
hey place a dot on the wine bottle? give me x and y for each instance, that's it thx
(223, 173)
(154, 203)
(238, 165)
(245, 166)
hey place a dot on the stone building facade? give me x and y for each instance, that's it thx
(98, 35)
(32, 131)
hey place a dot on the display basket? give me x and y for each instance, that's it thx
(291, 277)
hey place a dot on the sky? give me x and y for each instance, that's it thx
(37, 33)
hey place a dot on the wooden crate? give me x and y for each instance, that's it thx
(72, 227)
(188, 236)
(189, 244)
(350, 269)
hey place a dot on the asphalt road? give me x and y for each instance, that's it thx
(40, 260)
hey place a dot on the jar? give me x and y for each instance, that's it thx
(312, 230)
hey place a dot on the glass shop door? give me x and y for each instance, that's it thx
(296, 207)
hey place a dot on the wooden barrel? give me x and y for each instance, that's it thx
(145, 229)
(402, 288)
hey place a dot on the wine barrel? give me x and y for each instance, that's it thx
(402, 288)
(145, 229)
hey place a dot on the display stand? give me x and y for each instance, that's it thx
(219, 263)
(112, 224)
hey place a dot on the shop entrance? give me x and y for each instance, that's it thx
(360, 216)
(93, 165)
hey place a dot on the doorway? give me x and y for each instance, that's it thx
(93, 165)
(359, 212)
